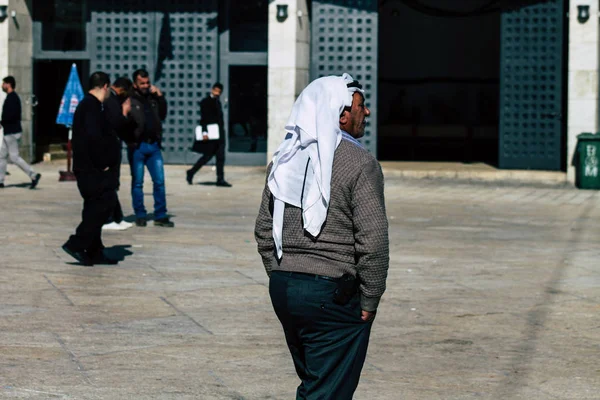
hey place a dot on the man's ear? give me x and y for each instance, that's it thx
(344, 117)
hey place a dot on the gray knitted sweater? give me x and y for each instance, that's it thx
(354, 238)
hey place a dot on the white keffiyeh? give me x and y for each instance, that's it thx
(301, 172)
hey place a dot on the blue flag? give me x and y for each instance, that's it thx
(70, 99)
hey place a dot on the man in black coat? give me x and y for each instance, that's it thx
(211, 112)
(117, 108)
(96, 154)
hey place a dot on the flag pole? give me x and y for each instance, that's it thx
(68, 175)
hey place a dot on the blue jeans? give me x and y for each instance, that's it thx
(148, 155)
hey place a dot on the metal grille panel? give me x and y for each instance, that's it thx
(531, 87)
(344, 39)
(177, 42)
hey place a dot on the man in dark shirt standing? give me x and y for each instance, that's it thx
(11, 124)
(148, 110)
(211, 112)
(95, 156)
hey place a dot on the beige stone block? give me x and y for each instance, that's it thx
(282, 81)
(583, 113)
(302, 80)
(302, 55)
(20, 27)
(583, 84)
(20, 55)
(20, 6)
(282, 55)
(583, 55)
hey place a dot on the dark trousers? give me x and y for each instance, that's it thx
(212, 149)
(328, 342)
(117, 214)
(98, 204)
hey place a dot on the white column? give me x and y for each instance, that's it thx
(583, 77)
(289, 56)
(3, 49)
(20, 65)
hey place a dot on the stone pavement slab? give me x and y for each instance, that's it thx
(493, 293)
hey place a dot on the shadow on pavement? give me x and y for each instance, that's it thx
(118, 252)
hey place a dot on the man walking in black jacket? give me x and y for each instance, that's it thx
(211, 113)
(96, 154)
(11, 124)
(148, 110)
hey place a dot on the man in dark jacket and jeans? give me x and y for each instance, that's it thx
(95, 157)
(11, 125)
(148, 110)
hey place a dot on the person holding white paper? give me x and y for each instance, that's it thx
(212, 135)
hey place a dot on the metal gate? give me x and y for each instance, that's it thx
(176, 41)
(531, 87)
(344, 39)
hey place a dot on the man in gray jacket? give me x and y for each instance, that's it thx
(322, 233)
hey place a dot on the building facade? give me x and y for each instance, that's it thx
(508, 83)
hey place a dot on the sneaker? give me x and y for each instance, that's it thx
(113, 226)
(35, 180)
(125, 225)
(223, 183)
(164, 222)
(140, 222)
(189, 177)
(80, 256)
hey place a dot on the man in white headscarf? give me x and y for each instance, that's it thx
(322, 233)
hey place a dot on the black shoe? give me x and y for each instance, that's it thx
(223, 183)
(80, 256)
(1, 185)
(101, 259)
(164, 222)
(140, 221)
(35, 181)
(188, 177)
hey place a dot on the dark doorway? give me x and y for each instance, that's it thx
(248, 108)
(439, 70)
(50, 79)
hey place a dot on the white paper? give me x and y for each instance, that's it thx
(213, 132)
(198, 132)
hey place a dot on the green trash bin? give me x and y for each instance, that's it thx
(587, 167)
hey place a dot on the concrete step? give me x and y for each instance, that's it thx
(470, 172)
(56, 152)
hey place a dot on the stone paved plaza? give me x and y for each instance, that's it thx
(493, 293)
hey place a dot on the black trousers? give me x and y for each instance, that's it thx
(98, 203)
(212, 149)
(328, 342)
(117, 214)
